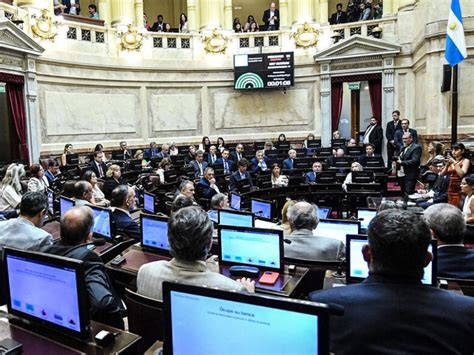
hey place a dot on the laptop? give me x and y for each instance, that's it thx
(235, 201)
(149, 202)
(65, 203)
(323, 212)
(102, 223)
(261, 209)
(365, 215)
(236, 218)
(336, 228)
(357, 269)
(154, 234)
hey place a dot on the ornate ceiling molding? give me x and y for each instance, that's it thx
(14, 39)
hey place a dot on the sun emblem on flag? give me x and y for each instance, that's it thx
(452, 26)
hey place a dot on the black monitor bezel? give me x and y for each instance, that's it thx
(154, 202)
(252, 229)
(363, 209)
(320, 310)
(70, 157)
(264, 201)
(111, 238)
(148, 247)
(232, 211)
(68, 199)
(83, 302)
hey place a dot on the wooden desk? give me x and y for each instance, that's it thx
(38, 340)
(125, 275)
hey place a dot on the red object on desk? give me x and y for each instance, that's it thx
(269, 277)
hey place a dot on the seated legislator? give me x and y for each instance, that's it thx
(369, 152)
(227, 164)
(206, 188)
(212, 156)
(311, 176)
(448, 226)
(190, 238)
(98, 197)
(51, 171)
(288, 163)
(25, 231)
(303, 219)
(438, 192)
(219, 201)
(76, 225)
(37, 182)
(123, 199)
(127, 153)
(199, 164)
(348, 180)
(98, 166)
(339, 153)
(240, 174)
(278, 180)
(259, 162)
(238, 154)
(165, 151)
(10, 187)
(391, 311)
(83, 193)
(114, 179)
(151, 152)
(182, 201)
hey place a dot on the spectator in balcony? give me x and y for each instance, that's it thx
(72, 7)
(146, 25)
(378, 10)
(352, 11)
(167, 28)
(237, 26)
(93, 12)
(158, 26)
(339, 16)
(365, 12)
(271, 18)
(183, 24)
(250, 19)
(254, 27)
(58, 7)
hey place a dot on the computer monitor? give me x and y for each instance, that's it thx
(235, 201)
(241, 323)
(283, 145)
(48, 291)
(213, 215)
(342, 162)
(355, 151)
(262, 248)
(374, 162)
(65, 203)
(336, 228)
(365, 215)
(362, 177)
(154, 231)
(357, 269)
(51, 201)
(102, 222)
(338, 142)
(236, 218)
(261, 209)
(135, 164)
(326, 177)
(324, 212)
(118, 155)
(149, 202)
(72, 159)
(170, 175)
(315, 143)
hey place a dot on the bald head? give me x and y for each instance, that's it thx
(76, 225)
(302, 215)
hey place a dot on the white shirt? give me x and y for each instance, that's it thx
(73, 10)
(9, 198)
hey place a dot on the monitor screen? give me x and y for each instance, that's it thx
(155, 232)
(234, 218)
(264, 323)
(336, 229)
(65, 204)
(365, 216)
(102, 222)
(261, 209)
(213, 215)
(262, 248)
(323, 212)
(51, 201)
(235, 201)
(358, 269)
(48, 290)
(149, 202)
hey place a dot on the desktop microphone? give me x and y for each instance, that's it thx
(287, 241)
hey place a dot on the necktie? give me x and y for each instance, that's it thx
(226, 167)
(101, 171)
(200, 169)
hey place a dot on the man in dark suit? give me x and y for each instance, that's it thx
(72, 7)
(369, 152)
(207, 187)
(374, 135)
(226, 163)
(51, 171)
(311, 176)
(259, 162)
(98, 166)
(391, 312)
(212, 155)
(199, 164)
(158, 26)
(399, 134)
(240, 174)
(165, 151)
(448, 226)
(271, 18)
(288, 164)
(151, 152)
(408, 164)
(392, 127)
(238, 154)
(76, 225)
(123, 199)
(127, 153)
(438, 193)
(339, 16)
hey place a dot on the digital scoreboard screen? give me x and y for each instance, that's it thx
(263, 71)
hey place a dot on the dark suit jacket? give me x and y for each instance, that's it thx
(376, 138)
(109, 185)
(456, 262)
(230, 164)
(234, 157)
(195, 165)
(411, 161)
(157, 27)
(254, 164)
(209, 159)
(388, 316)
(204, 190)
(150, 153)
(49, 176)
(342, 18)
(67, 3)
(440, 188)
(310, 177)
(235, 177)
(391, 128)
(125, 223)
(399, 136)
(288, 164)
(266, 19)
(95, 169)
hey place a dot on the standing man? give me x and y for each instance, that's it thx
(392, 127)
(408, 164)
(400, 132)
(374, 135)
(158, 26)
(339, 16)
(271, 18)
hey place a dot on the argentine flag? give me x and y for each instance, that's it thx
(455, 43)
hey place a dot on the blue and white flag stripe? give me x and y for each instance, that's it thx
(455, 42)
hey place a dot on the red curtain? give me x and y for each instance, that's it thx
(375, 91)
(17, 108)
(336, 104)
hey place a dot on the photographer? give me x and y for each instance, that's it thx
(456, 166)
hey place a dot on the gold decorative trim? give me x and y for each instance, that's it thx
(44, 27)
(215, 43)
(131, 39)
(306, 36)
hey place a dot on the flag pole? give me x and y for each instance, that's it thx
(454, 107)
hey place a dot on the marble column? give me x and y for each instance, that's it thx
(303, 11)
(387, 7)
(405, 4)
(139, 13)
(212, 13)
(388, 94)
(193, 22)
(32, 111)
(316, 11)
(104, 11)
(323, 12)
(325, 92)
(284, 23)
(122, 11)
(228, 20)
